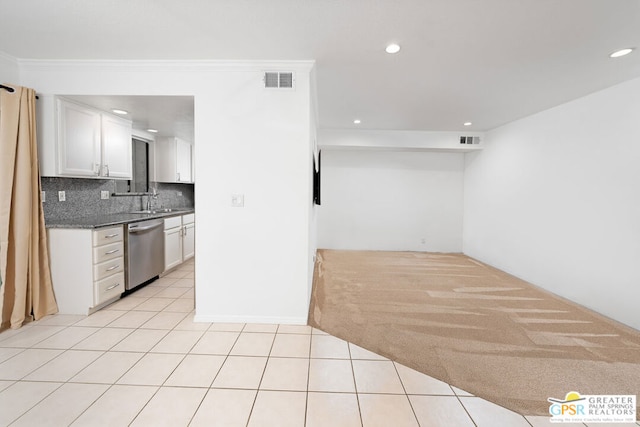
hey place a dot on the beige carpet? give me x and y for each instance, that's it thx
(473, 326)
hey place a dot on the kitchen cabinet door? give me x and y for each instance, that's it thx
(172, 160)
(183, 161)
(78, 140)
(172, 248)
(116, 147)
(87, 267)
(188, 241)
(91, 143)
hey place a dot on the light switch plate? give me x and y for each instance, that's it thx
(104, 195)
(237, 200)
(62, 196)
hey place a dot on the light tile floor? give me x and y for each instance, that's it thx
(142, 361)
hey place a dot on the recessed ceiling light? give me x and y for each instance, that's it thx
(357, 122)
(392, 48)
(621, 52)
(467, 123)
(152, 130)
(121, 112)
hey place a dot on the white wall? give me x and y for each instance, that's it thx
(252, 262)
(313, 209)
(255, 263)
(8, 70)
(554, 199)
(391, 200)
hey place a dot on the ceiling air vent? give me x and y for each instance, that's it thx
(275, 80)
(469, 140)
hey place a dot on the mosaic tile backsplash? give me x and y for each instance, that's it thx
(83, 197)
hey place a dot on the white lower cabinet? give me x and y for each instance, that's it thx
(172, 242)
(87, 267)
(179, 240)
(188, 236)
(188, 241)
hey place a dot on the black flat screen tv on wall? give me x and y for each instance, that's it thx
(316, 178)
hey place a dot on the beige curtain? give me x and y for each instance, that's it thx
(26, 291)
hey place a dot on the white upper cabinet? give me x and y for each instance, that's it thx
(78, 140)
(91, 143)
(183, 161)
(173, 160)
(116, 147)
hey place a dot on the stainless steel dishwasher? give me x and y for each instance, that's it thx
(144, 252)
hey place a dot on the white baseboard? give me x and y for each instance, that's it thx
(250, 319)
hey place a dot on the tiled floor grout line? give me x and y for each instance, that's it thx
(158, 387)
(395, 368)
(355, 384)
(34, 347)
(306, 410)
(264, 370)
(36, 404)
(214, 377)
(92, 403)
(204, 396)
(463, 407)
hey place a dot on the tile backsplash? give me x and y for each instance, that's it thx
(83, 197)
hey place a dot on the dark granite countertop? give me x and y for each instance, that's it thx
(106, 220)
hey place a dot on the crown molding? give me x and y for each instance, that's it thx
(178, 65)
(7, 57)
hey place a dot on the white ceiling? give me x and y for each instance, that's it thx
(169, 115)
(484, 61)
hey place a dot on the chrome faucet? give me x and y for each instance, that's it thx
(150, 197)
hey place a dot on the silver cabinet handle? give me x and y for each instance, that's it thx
(111, 236)
(112, 286)
(137, 229)
(113, 268)
(112, 252)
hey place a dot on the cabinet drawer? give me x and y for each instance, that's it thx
(108, 288)
(107, 252)
(107, 235)
(174, 221)
(188, 219)
(104, 269)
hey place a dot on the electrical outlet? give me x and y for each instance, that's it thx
(43, 195)
(62, 196)
(104, 195)
(179, 193)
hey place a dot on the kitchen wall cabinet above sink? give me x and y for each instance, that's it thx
(91, 143)
(173, 160)
(78, 137)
